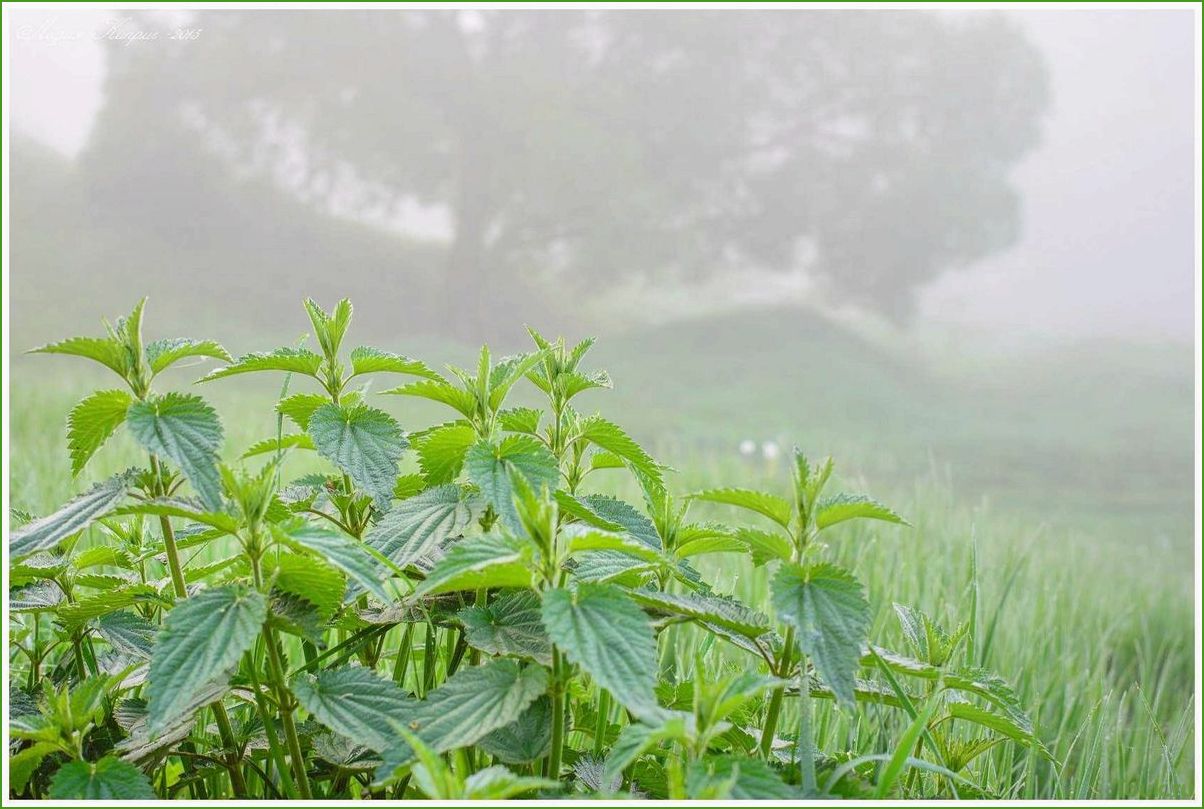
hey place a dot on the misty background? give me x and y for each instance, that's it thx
(954, 243)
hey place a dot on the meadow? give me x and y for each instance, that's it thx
(1060, 536)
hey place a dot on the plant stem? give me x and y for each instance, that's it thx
(603, 721)
(556, 754)
(276, 670)
(806, 741)
(429, 661)
(775, 701)
(403, 655)
(230, 759)
(270, 731)
(283, 697)
(169, 536)
(181, 589)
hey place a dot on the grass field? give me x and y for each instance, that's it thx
(1064, 530)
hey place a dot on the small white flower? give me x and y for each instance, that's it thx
(748, 447)
(770, 450)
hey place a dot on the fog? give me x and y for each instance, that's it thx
(1060, 205)
(920, 240)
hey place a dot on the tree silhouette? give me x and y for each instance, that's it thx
(869, 150)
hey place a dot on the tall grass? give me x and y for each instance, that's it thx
(1094, 630)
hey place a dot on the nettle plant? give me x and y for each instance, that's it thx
(482, 627)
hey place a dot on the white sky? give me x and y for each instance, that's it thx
(1109, 221)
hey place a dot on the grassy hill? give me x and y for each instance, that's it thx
(1092, 431)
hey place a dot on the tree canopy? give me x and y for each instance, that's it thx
(870, 151)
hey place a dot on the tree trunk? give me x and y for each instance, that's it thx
(465, 277)
(464, 311)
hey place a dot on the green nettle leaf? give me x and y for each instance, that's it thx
(575, 382)
(619, 513)
(162, 353)
(274, 445)
(300, 406)
(472, 703)
(39, 566)
(525, 739)
(610, 437)
(343, 752)
(736, 777)
(185, 430)
(44, 595)
(611, 566)
(22, 765)
(367, 360)
(578, 509)
(202, 637)
(439, 390)
(97, 555)
(357, 703)
(441, 451)
(765, 546)
(520, 420)
(288, 360)
(329, 329)
(185, 508)
(92, 422)
(829, 613)
(105, 780)
(1013, 726)
(418, 526)
(46, 533)
(841, 507)
(638, 737)
(602, 630)
(364, 442)
(507, 373)
(706, 609)
(490, 466)
(128, 633)
(340, 550)
(980, 682)
(409, 485)
(769, 505)
(497, 783)
(83, 610)
(582, 539)
(697, 539)
(141, 744)
(489, 560)
(307, 577)
(511, 624)
(294, 615)
(105, 350)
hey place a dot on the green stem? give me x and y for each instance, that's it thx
(276, 670)
(775, 701)
(237, 783)
(603, 721)
(771, 718)
(283, 697)
(230, 759)
(806, 740)
(352, 514)
(428, 660)
(269, 731)
(35, 659)
(173, 558)
(556, 754)
(403, 655)
(79, 657)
